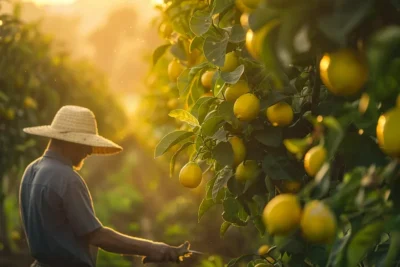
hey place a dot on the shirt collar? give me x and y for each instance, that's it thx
(57, 156)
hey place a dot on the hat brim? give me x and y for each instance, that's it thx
(101, 145)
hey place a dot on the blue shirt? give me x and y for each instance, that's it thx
(57, 212)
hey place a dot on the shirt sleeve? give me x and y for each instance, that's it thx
(79, 209)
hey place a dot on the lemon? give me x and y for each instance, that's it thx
(234, 91)
(344, 72)
(291, 186)
(251, 3)
(388, 132)
(282, 214)
(239, 150)
(263, 249)
(29, 102)
(318, 223)
(206, 78)
(231, 62)
(255, 40)
(280, 114)
(174, 70)
(247, 170)
(241, 6)
(246, 107)
(190, 175)
(165, 30)
(314, 159)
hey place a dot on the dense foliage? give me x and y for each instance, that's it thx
(291, 105)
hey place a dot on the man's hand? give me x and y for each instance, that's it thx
(165, 253)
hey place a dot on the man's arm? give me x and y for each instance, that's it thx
(112, 241)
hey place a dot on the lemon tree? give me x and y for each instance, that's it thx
(309, 89)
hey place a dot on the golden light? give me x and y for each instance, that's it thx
(324, 64)
(320, 118)
(51, 2)
(157, 3)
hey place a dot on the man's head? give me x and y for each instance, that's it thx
(77, 153)
(77, 128)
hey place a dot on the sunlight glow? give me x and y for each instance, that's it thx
(51, 2)
(157, 3)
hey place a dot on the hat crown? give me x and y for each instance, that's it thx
(75, 119)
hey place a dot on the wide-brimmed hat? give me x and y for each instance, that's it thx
(77, 125)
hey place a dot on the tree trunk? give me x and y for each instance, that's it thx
(3, 219)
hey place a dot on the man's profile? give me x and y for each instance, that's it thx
(56, 207)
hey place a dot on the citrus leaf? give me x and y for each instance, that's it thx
(234, 76)
(363, 241)
(270, 136)
(159, 52)
(231, 211)
(225, 110)
(224, 227)
(261, 16)
(169, 140)
(205, 205)
(178, 51)
(215, 48)
(338, 248)
(200, 22)
(196, 43)
(222, 5)
(238, 34)
(222, 178)
(184, 116)
(223, 153)
(199, 102)
(173, 158)
(211, 125)
(184, 82)
(259, 224)
(274, 169)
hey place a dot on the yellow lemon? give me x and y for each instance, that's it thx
(234, 91)
(255, 40)
(190, 175)
(282, 214)
(314, 159)
(174, 70)
(231, 62)
(206, 78)
(263, 249)
(241, 6)
(165, 30)
(239, 150)
(290, 186)
(29, 102)
(318, 223)
(388, 132)
(280, 114)
(344, 72)
(246, 107)
(247, 170)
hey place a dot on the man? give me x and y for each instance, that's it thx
(56, 207)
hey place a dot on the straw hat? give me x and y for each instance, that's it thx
(77, 125)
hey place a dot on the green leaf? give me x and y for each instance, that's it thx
(224, 227)
(259, 224)
(245, 258)
(211, 125)
(223, 153)
(196, 106)
(204, 108)
(274, 169)
(234, 76)
(231, 211)
(169, 140)
(393, 251)
(205, 205)
(270, 136)
(184, 116)
(222, 5)
(345, 17)
(225, 110)
(184, 82)
(196, 43)
(159, 52)
(222, 178)
(363, 242)
(200, 22)
(335, 135)
(338, 250)
(215, 49)
(261, 16)
(238, 34)
(173, 158)
(178, 51)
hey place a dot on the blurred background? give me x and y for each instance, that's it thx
(98, 54)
